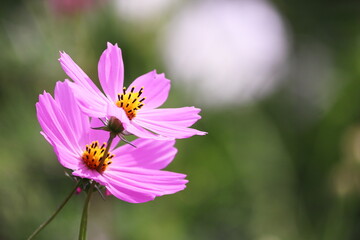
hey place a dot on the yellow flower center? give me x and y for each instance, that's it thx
(93, 154)
(131, 101)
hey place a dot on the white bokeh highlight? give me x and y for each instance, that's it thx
(225, 51)
(142, 11)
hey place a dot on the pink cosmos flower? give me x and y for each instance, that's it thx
(135, 106)
(130, 174)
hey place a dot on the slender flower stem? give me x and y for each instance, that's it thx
(111, 138)
(42, 226)
(83, 224)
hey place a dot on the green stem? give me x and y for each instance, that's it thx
(83, 224)
(42, 226)
(111, 138)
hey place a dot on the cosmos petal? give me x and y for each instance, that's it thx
(156, 88)
(139, 131)
(136, 185)
(185, 116)
(78, 121)
(139, 185)
(67, 158)
(78, 75)
(149, 153)
(90, 104)
(58, 129)
(167, 129)
(54, 123)
(111, 71)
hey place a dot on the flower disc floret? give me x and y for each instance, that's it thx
(131, 101)
(94, 153)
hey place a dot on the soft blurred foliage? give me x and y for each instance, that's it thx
(286, 166)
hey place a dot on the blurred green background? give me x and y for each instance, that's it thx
(280, 164)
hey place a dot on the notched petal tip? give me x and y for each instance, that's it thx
(62, 55)
(112, 47)
(156, 75)
(42, 97)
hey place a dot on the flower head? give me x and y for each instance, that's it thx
(135, 106)
(130, 174)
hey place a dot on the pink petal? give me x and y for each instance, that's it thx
(139, 131)
(149, 153)
(84, 172)
(90, 104)
(128, 195)
(120, 192)
(67, 158)
(167, 129)
(67, 102)
(156, 89)
(185, 116)
(78, 75)
(111, 71)
(54, 123)
(58, 131)
(138, 185)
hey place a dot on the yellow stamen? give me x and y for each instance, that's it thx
(93, 154)
(131, 101)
